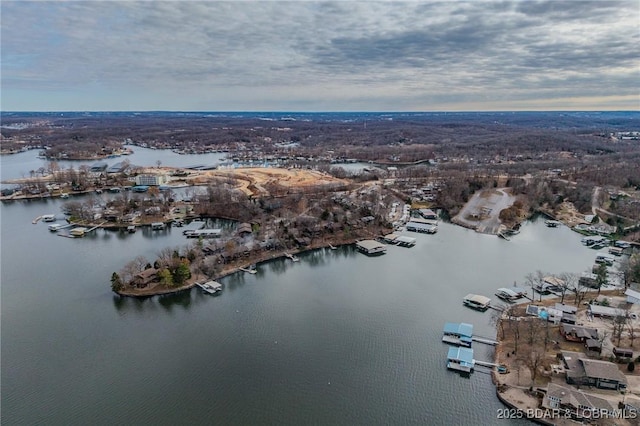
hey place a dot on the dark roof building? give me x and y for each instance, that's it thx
(581, 370)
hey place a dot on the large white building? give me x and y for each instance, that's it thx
(151, 180)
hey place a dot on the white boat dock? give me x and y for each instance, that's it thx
(210, 287)
(249, 270)
(371, 247)
(292, 257)
(460, 359)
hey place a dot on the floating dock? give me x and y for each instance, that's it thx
(292, 257)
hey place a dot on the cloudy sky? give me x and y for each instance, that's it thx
(320, 56)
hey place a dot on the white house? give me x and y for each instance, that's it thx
(632, 296)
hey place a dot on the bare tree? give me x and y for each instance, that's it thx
(631, 332)
(619, 323)
(579, 290)
(568, 281)
(534, 360)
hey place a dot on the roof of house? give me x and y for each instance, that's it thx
(569, 309)
(146, 275)
(606, 311)
(603, 370)
(577, 398)
(579, 331)
(632, 293)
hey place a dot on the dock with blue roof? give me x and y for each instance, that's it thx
(460, 359)
(459, 334)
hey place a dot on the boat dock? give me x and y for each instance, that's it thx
(248, 270)
(210, 287)
(292, 257)
(484, 340)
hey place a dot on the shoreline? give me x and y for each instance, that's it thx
(231, 269)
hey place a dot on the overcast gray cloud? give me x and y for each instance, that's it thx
(189, 55)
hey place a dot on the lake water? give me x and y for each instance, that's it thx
(337, 338)
(19, 165)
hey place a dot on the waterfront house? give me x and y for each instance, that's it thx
(577, 333)
(568, 313)
(632, 296)
(151, 180)
(593, 345)
(145, 278)
(605, 311)
(459, 334)
(576, 402)
(581, 370)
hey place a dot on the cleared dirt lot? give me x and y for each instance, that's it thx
(257, 181)
(482, 211)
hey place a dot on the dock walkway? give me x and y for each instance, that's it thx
(484, 340)
(485, 364)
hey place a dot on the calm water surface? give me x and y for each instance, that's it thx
(338, 338)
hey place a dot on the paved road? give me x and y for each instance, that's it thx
(488, 202)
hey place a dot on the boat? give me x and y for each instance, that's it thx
(502, 369)
(476, 301)
(210, 287)
(551, 223)
(508, 295)
(64, 195)
(607, 259)
(55, 227)
(131, 229)
(157, 226)
(49, 218)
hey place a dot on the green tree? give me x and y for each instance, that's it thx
(116, 282)
(181, 274)
(601, 276)
(165, 277)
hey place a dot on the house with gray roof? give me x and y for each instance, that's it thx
(581, 370)
(575, 402)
